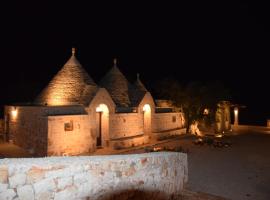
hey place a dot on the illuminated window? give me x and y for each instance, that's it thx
(68, 126)
(173, 119)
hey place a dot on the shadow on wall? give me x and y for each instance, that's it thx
(136, 195)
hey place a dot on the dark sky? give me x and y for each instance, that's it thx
(190, 41)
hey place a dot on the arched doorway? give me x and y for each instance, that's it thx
(102, 125)
(147, 119)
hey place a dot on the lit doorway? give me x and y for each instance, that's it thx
(102, 126)
(147, 119)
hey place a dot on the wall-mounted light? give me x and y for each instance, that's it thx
(235, 116)
(102, 108)
(146, 108)
(14, 112)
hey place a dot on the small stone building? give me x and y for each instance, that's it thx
(74, 115)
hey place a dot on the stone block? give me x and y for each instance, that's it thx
(68, 193)
(64, 182)
(80, 178)
(7, 195)
(34, 174)
(44, 186)
(25, 192)
(3, 174)
(17, 180)
(3, 187)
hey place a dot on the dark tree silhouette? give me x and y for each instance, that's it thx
(193, 98)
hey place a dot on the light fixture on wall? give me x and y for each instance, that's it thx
(146, 108)
(14, 112)
(236, 116)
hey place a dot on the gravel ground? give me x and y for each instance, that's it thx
(238, 172)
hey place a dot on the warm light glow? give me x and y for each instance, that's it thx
(218, 135)
(102, 108)
(14, 112)
(146, 108)
(206, 111)
(235, 111)
(235, 116)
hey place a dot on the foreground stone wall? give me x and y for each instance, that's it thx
(71, 140)
(138, 176)
(167, 121)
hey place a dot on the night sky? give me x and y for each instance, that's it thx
(190, 41)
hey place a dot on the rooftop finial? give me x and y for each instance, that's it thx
(114, 61)
(73, 51)
(138, 76)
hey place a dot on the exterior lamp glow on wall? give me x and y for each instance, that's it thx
(14, 112)
(146, 108)
(102, 108)
(235, 116)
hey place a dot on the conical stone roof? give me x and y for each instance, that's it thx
(117, 85)
(137, 92)
(68, 86)
(139, 85)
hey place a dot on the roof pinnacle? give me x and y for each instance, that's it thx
(73, 51)
(138, 76)
(114, 61)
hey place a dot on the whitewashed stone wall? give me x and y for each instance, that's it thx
(29, 128)
(2, 125)
(69, 142)
(138, 176)
(167, 121)
(126, 125)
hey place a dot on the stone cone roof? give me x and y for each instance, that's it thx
(139, 85)
(71, 85)
(137, 92)
(117, 85)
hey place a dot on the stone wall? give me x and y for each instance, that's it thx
(69, 135)
(28, 126)
(126, 125)
(2, 126)
(137, 176)
(167, 121)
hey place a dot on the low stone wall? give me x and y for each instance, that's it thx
(130, 142)
(2, 124)
(238, 129)
(138, 176)
(167, 121)
(169, 133)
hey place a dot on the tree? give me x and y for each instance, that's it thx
(193, 98)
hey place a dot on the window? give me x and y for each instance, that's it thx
(68, 126)
(173, 119)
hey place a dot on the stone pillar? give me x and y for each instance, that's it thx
(268, 123)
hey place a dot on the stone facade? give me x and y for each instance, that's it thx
(69, 135)
(114, 114)
(137, 176)
(2, 128)
(28, 128)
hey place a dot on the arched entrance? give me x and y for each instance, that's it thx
(102, 125)
(147, 119)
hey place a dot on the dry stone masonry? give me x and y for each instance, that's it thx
(73, 115)
(153, 176)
